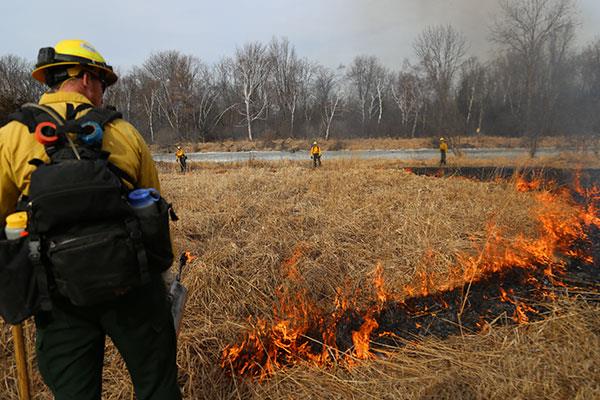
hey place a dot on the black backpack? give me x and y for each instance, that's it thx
(85, 241)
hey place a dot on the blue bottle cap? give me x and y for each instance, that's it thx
(143, 197)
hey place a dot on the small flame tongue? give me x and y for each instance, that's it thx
(189, 257)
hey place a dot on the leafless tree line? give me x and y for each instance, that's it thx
(538, 84)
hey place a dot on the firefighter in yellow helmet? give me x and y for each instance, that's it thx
(181, 159)
(71, 338)
(315, 154)
(443, 151)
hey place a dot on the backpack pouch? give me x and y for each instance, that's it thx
(94, 264)
(74, 191)
(157, 237)
(18, 287)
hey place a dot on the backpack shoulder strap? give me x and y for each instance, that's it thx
(40, 109)
(101, 116)
(31, 114)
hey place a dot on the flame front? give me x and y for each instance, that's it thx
(301, 332)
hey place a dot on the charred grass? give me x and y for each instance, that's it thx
(246, 221)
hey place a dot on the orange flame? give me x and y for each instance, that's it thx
(189, 257)
(361, 339)
(380, 284)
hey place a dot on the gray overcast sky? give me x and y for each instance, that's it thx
(328, 31)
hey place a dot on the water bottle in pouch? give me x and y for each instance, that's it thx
(144, 201)
(16, 223)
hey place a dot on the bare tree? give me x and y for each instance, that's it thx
(555, 80)
(589, 103)
(251, 68)
(291, 77)
(377, 98)
(589, 66)
(175, 75)
(16, 84)
(121, 95)
(441, 50)
(408, 93)
(146, 89)
(366, 76)
(328, 94)
(526, 28)
(208, 110)
(471, 94)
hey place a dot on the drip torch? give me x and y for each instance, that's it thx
(178, 292)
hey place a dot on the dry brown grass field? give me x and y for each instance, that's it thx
(260, 229)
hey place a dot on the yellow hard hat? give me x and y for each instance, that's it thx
(442, 139)
(65, 60)
(315, 142)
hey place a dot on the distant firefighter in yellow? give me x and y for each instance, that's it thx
(443, 151)
(181, 158)
(315, 154)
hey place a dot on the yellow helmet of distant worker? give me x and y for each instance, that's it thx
(315, 143)
(67, 59)
(442, 139)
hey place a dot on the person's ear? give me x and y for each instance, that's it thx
(86, 79)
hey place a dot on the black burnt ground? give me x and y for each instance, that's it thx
(562, 177)
(467, 309)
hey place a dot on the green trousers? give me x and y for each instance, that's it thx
(70, 344)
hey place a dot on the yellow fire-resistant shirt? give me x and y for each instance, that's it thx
(179, 153)
(443, 146)
(315, 150)
(127, 149)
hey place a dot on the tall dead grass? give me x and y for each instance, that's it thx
(244, 221)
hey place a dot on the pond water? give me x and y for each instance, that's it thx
(408, 154)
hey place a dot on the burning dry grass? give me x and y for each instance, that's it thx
(541, 360)
(262, 229)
